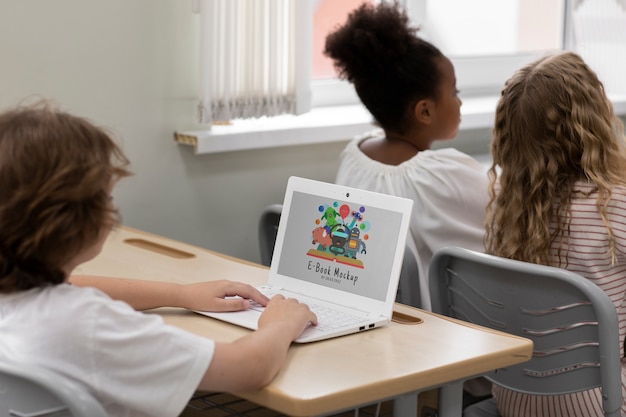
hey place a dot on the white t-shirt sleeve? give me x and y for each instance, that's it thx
(150, 367)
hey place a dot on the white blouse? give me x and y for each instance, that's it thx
(449, 190)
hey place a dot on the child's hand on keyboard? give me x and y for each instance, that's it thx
(287, 311)
(222, 295)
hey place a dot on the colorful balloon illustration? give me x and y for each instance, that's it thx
(344, 210)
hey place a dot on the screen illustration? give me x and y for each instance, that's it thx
(340, 234)
(340, 244)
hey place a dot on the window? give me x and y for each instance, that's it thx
(327, 90)
(599, 30)
(492, 27)
(486, 39)
(327, 14)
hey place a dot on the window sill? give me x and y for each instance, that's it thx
(323, 125)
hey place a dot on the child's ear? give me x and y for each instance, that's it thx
(423, 111)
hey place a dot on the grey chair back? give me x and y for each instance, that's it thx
(268, 228)
(409, 291)
(31, 391)
(571, 321)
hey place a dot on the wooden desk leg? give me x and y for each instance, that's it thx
(451, 400)
(405, 405)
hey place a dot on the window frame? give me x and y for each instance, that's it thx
(476, 76)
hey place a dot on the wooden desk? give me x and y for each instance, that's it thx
(396, 361)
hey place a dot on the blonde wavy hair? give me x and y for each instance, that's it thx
(554, 126)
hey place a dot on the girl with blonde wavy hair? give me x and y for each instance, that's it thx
(558, 195)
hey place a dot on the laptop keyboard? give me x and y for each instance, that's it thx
(327, 317)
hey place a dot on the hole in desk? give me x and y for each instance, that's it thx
(402, 318)
(162, 249)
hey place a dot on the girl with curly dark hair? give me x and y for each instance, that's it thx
(409, 87)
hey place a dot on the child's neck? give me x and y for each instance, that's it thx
(389, 151)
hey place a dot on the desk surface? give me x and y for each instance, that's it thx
(326, 376)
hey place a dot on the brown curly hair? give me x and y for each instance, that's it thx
(554, 127)
(56, 171)
(391, 68)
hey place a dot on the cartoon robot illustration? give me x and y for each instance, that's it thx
(339, 234)
(355, 244)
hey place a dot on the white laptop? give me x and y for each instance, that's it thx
(337, 248)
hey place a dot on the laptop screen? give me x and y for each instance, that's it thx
(340, 244)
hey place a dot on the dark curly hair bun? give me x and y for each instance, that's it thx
(378, 50)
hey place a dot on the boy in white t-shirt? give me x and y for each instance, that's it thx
(57, 172)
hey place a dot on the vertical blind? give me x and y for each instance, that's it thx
(599, 31)
(255, 58)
